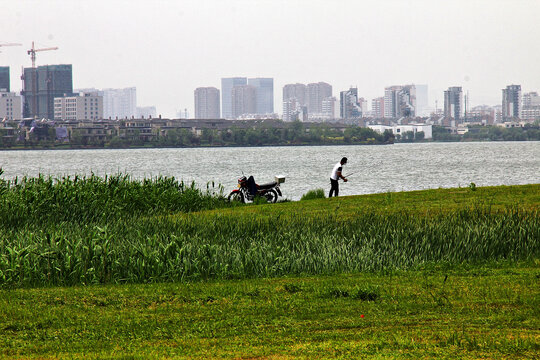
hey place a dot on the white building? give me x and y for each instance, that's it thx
(10, 106)
(400, 101)
(402, 129)
(292, 110)
(121, 103)
(530, 109)
(422, 100)
(83, 107)
(117, 103)
(329, 107)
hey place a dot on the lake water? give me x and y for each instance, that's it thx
(375, 169)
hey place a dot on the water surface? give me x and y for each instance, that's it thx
(375, 169)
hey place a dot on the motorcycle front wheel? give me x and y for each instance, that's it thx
(271, 196)
(236, 196)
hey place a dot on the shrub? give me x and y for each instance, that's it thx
(313, 194)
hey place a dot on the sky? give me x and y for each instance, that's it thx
(167, 48)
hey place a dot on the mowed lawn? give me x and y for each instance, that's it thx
(462, 309)
(460, 313)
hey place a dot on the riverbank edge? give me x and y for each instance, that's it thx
(253, 146)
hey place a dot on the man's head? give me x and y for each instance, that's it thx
(343, 161)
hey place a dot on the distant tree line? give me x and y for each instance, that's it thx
(295, 133)
(529, 132)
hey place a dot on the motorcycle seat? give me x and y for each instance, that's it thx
(266, 186)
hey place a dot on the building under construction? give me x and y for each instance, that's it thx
(42, 85)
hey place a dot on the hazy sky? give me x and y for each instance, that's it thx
(168, 48)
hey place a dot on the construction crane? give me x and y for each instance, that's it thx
(10, 44)
(32, 52)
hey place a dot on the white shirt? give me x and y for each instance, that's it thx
(337, 168)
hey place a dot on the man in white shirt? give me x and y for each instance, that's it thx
(335, 175)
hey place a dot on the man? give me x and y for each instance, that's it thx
(335, 176)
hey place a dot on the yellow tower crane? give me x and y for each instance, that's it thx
(32, 52)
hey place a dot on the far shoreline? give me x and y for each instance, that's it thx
(60, 148)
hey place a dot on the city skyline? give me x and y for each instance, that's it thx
(167, 49)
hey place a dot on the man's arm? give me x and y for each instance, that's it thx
(339, 175)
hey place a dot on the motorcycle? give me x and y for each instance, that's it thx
(248, 190)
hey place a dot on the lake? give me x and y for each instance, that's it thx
(374, 168)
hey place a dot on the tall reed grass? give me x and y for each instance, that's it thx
(83, 200)
(237, 244)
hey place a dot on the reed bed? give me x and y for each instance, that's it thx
(42, 200)
(239, 244)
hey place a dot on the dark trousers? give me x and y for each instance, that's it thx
(334, 188)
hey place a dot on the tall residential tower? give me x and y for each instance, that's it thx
(207, 103)
(453, 103)
(244, 100)
(400, 101)
(4, 78)
(350, 105)
(227, 85)
(264, 93)
(42, 85)
(316, 93)
(511, 102)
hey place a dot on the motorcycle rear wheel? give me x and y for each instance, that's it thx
(271, 196)
(236, 196)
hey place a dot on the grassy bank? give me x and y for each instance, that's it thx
(152, 243)
(462, 313)
(172, 272)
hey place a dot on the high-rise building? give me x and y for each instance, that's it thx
(207, 103)
(453, 103)
(363, 106)
(296, 91)
(79, 107)
(511, 102)
(227, 85)
(244, 100)
(10, 106)
(264, 92)
(293, 110)
(4, 79)
(350, 107)
(316, 92)
(294, 101)
(328, 108)
(530, 99)
(400, 101)
(119, 103)
(377, 107)
(42, 85)
(422, 100)
(530, 109)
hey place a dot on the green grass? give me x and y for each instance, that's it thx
(313, 194)
(460, 313)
